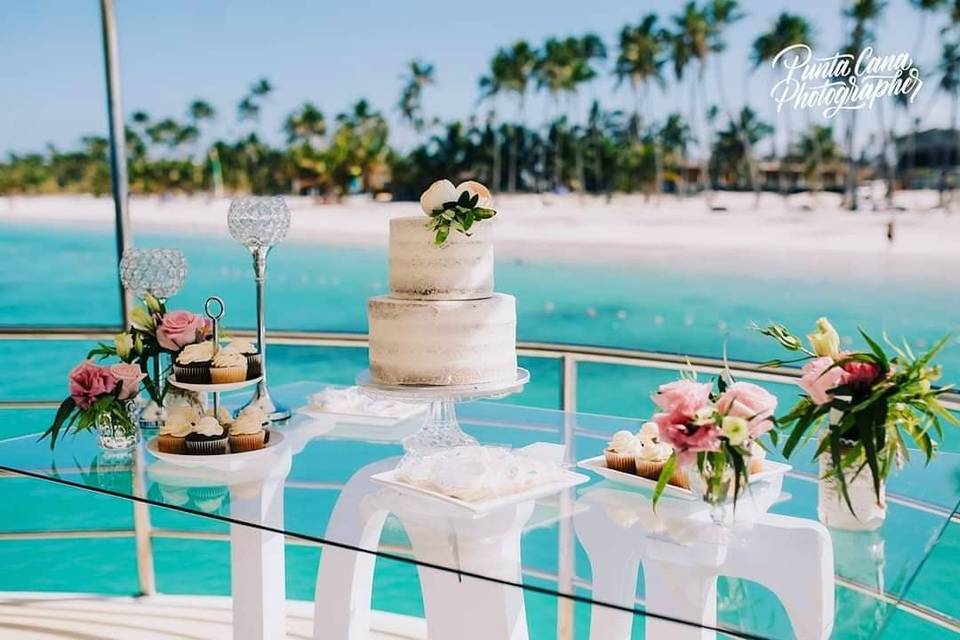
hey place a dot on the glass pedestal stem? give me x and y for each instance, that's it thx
(440, 430)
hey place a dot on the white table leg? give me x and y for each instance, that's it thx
(345, 579)
(802, 578)
(463, 607)
(681, 592)
(257, 572)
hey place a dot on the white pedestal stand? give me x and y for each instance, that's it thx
(681, 560)
(440, 430)
(456, 606)
(257, 570)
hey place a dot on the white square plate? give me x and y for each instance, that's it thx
(569, 479)
(598, 465)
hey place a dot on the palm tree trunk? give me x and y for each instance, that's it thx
(853, 166)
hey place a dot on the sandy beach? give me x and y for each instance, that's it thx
(571, 225)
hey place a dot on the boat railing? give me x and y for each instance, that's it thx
(569, 357)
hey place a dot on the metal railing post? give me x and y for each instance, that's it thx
(142, 529)
(118, 146)
(566, 544)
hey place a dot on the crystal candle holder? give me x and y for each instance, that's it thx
(260, 223)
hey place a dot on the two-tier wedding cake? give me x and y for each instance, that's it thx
(442, 323)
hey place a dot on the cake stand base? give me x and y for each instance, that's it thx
(440, 429)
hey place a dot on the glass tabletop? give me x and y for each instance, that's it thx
(599, 544)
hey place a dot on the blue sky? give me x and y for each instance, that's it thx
(331, 53)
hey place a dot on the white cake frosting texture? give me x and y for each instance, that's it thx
(460, 269)
(442, 324)
(445, 342)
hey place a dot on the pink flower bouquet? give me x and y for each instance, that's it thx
(862, 406)
(96, 391)
(714, 429)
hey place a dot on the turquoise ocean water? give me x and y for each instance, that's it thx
(697, 305)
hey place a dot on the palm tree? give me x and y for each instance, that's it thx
(675, 136)
(562, 66)
(249, 106)
(788, 29)
(305, 126)
(511, 70)
(639, 60)
(418, 75)
(949, 68)
(730, 158)
(925, 7)
(690, 43)
(864, 14)
(817, 148)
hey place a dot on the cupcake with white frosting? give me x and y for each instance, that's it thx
(207, 437)
(249, 351)
(653, 454)
(192, 364)
(621, 451)
(175, 429)
(757, 455)
(249, 431)
(228, 366)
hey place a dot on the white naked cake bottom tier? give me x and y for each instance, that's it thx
(443, 342)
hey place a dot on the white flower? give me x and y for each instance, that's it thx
(825, 341)
(484, 199)
(124, 345)
(437, 194)
(704, 415)
(736, 430)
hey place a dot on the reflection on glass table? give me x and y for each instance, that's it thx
(610, 566)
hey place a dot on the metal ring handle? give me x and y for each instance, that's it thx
(219, 313)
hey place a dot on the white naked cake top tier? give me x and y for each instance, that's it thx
(459, 269)
(442, 342)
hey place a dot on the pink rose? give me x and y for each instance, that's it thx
(129, 376)
(180, 328)
(88, 382)
(860, 373)
(820, 377)
(683, 397)
(687, 439)
(750, 402)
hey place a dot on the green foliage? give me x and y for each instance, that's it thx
(459, 214)
(877, 419)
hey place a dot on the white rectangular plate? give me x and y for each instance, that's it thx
(569, 479)
(359, 418)
(598, 465)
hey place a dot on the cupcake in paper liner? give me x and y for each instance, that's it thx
(651, 458)
(249, 351)
(621, 451)
(249, 431)
(227, 367)
(192, 364)
(207, 438)
(757, 456)
(180, 421)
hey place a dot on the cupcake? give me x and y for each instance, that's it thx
(757, 455)
(249, 351)
(207, 437)
(651, 458)
(228, 366)
(193, 363)
(621, 450)
(175, 429)
(249, 431)
(223, 417)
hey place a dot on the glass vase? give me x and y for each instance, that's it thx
(714, 488)
(118, 435)
(868, 512)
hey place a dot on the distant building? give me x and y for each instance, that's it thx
(927, 159)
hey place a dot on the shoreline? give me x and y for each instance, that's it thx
(581, 229)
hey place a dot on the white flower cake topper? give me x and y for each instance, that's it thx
(457, 207)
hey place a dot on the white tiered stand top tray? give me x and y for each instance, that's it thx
(213, 388)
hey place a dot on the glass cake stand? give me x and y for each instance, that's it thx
(440, 430)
